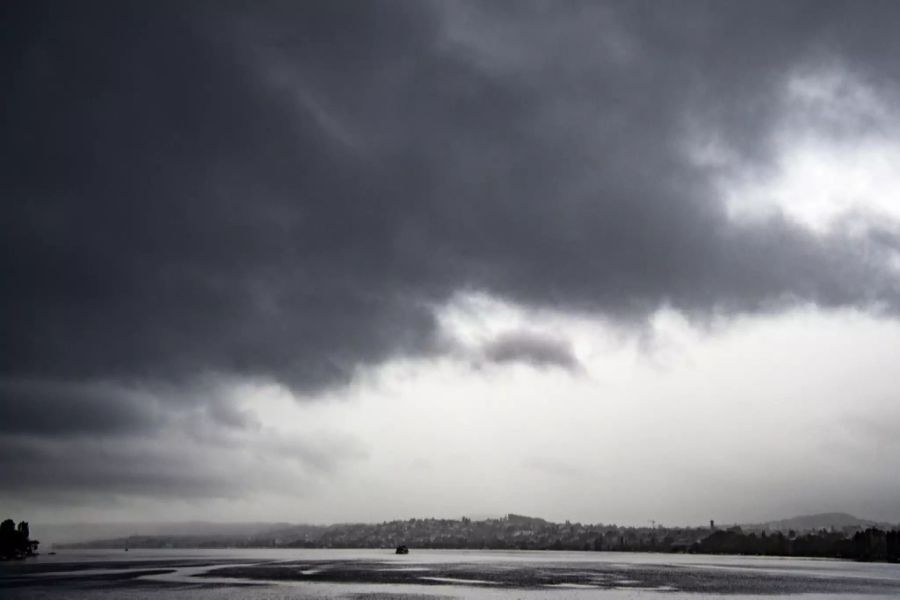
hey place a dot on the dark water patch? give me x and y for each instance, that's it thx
(375, 575)
(35, 568)
(395, 596)
(691, 579)
(82, 579)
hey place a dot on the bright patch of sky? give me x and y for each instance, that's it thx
(679, 425)
(836, 158)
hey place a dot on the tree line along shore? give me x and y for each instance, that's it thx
(517, 532)
(15, 540)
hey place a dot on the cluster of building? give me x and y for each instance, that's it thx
(514, 532)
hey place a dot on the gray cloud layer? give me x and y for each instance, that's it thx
(285, 190)
(532, 348)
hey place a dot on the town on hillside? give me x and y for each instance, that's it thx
(518, 532)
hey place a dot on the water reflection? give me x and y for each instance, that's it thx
(372, 574)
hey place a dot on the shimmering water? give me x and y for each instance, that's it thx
(380, 574)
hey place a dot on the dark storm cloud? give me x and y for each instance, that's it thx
(174, 464)
(532, 348)
(70, 466)
(169, 213)
(54, 409)
(285, 191)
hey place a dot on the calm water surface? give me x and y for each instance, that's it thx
(380, 574)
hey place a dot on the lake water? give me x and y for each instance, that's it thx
(429, 574)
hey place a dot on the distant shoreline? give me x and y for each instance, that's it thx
(517, 532)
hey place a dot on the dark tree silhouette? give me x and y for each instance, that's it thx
(15, 541)
(870, 545)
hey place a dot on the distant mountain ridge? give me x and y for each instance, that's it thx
(833, 520)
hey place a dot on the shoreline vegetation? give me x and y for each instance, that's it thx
(15, 541)
(862, 542)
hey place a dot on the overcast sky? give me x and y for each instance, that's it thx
(353, 261)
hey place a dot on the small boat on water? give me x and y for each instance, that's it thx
(402, 549)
